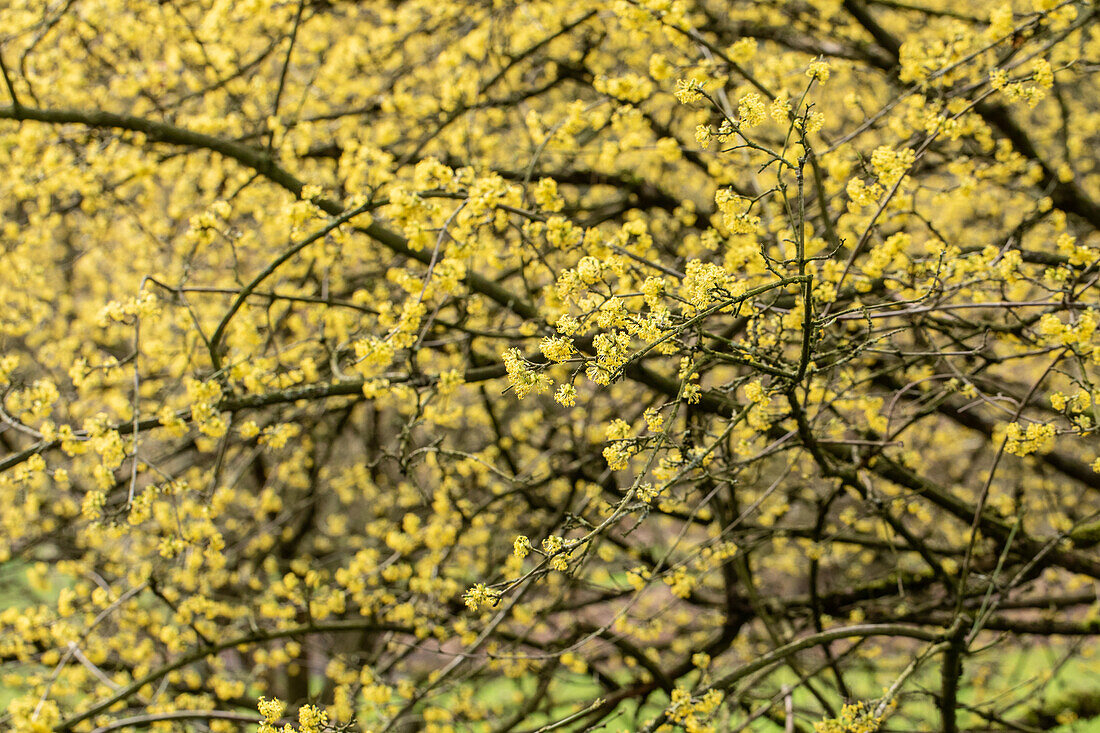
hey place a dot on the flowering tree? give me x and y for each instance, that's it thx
(635, 365)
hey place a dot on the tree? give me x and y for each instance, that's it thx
(641, 365)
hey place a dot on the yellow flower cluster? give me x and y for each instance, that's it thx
(692, 713)
(857, 717)
(1036, 437)
(751, 110)
(735, 209)
(523, 379)
(689, 90)
(890, 165)
(479, 596)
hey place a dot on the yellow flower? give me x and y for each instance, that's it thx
(751, 110)
(818, 70)
(688, 90)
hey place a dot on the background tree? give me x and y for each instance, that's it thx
(508, 366)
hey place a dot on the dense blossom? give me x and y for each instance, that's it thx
(611, 364)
